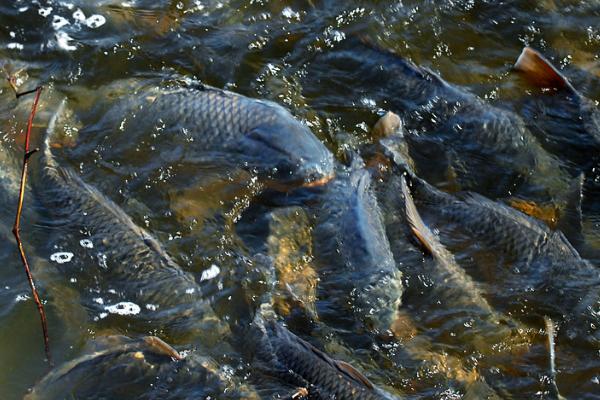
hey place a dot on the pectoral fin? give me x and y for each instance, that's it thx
(540, 71)
(354, 373)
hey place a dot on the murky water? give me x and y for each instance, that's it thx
(95, 52)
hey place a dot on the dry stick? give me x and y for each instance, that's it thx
(17, 226)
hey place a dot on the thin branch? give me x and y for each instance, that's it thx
(17, 226)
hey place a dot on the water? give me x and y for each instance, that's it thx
(261, 49)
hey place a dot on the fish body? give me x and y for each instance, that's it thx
(211, 124)
(118, 367)
(488, 149)
(121, 262)
(358, 279)
(279, 353)
(539, 265)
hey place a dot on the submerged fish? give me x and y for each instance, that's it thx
(118, 367)
(567, 123)
(486, 148)
(538, 267)
(210, 125)
(278, 353)
(121, 265)
(360, 287)
(290, 245)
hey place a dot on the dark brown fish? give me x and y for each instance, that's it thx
(118, 367)
(278, 353)
(122, 269)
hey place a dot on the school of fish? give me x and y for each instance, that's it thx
(301, 294)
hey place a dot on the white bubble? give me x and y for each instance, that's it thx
(79, 16)
(152, 307)
(70, 6)
(61, 257)
(15, 46)
(45, 11)
(99, 300)
(289, 13)
(58, 22)
(63, 40)
(190, 290)
(21, 297)
(95, 21)
(87, 243)
(124, 308)
(102, 260)
(210, 273)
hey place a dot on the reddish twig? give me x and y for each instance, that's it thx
(17, 226)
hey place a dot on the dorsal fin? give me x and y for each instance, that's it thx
(342, 366)
(421, 231)
(161, 347)
(540, 71)
(354, 373)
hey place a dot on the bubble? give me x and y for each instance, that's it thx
(61, 257)
(58, 22)
(87, 243)
(95, 21)
(45, 11)
(123, 308)
(21, 297)
(15, 46)
(63, 40)
(79, 16)
(210, 273)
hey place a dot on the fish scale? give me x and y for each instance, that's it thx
(356, 267)
(225, 127)
(540, 259)
(136, 266)
(490, 144)
(301, 363)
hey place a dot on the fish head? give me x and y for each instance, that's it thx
(287, 153)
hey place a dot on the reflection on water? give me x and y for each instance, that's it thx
(207, 216)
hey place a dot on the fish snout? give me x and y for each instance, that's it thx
(288, 155)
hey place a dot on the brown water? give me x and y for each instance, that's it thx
(261, 49)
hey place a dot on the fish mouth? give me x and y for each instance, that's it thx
(281, 186)
(319, 181)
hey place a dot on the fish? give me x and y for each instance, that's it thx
(567, 122)
(121, 367)
(489, 149)
(278, 353)
(537, 266)
(360, 288)
(122, 268)
(290, 245)
(207, 125)
(451, 287)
